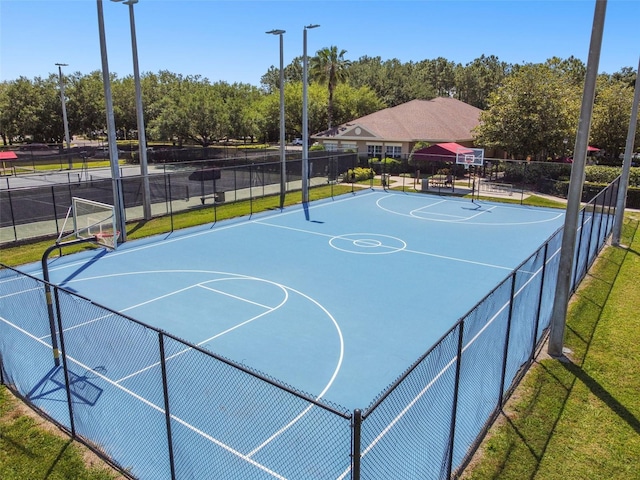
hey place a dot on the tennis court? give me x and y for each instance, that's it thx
(335, 299)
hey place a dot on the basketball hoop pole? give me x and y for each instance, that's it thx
(473, 183)
(47, 292)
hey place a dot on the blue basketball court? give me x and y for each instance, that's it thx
(335, 299)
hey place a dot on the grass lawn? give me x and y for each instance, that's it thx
(31, 448)
(580, 418)
(573, 419)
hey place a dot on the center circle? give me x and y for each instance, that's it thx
(367, 243)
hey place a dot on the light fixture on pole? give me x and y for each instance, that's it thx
(283, 168)
(305, 117)
(118, 202)
(67, 139)
(142, 138)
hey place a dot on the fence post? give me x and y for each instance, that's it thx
(536, 324)
(604, 200)
(65, 368)
(505, 354)
(167, 414)
(170, 200)
(454, 409)
(13, 217)
(55, 214)
(356, 446)
(579, 248)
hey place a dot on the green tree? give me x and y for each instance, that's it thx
(6, 127)
(86, 105)
(270, 81)
(477, 79)
(611, 115)
(124, 106)
(32, 109)
(531, 114)
(352, 103)
(392, 81)
(329, 67)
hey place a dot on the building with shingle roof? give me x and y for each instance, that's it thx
(394, 131)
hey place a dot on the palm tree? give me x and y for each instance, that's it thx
(329, 68)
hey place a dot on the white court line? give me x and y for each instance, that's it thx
(427, 387)
(21, 292)
(462, 260)
(478, 214)
(295, 229)
(246, 300)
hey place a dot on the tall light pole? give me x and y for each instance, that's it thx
(626, 165)
(305, 117)
(142, 138)
(64, 110)
(569, 235)
(283, 167)
(118, 202)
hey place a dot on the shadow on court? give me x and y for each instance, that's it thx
(53, 383)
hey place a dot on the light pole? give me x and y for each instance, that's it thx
(64, 110)
(305, 117)
(626, 165)
(118, 202)
(569, 235)
(283, 168)
(142, 138)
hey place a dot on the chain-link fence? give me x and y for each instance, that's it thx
(159, 407)
(428, 423)
(39, 211)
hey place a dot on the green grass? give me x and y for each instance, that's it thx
(29, 451)
(580, 419)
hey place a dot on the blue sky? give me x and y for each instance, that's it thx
(226, 40)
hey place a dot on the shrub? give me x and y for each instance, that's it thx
(358, 174)
(386, 165)
(605, 175)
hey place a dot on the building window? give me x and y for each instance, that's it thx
(331, 146)
(374, 151)
(349, 147)
(393, 151)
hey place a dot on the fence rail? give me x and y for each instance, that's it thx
(425, 425)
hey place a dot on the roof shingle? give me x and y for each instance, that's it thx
(441, 119)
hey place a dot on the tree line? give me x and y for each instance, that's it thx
(529, 110)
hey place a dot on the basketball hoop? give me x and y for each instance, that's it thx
(107, 239)
(470, 156)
